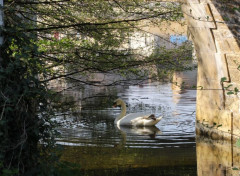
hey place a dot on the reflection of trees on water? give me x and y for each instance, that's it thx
(98, 98)
(94, 122)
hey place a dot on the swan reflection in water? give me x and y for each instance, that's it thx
(150, 131)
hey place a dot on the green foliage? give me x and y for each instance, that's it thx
(228, 88)
(238, 143)
(25, 112)
(32, 56)
(171, 60)
(223, 79)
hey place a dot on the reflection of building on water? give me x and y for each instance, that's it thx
(184, 80)
(220, 158)
(98, 147)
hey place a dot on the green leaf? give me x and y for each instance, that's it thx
(230, 93)
(236, 90)
(223, 79)
(9, 172)
(238, 143)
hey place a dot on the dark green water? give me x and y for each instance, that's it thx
(96, 147)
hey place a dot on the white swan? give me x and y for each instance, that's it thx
(133, 119)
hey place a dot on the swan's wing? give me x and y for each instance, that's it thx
(126, 120)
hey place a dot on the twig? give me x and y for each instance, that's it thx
(4, 96)
(19, 99)
(3, 110)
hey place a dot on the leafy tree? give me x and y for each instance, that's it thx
(45, 40)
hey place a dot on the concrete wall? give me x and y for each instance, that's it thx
(218, 53)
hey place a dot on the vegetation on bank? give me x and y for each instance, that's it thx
(46, 40)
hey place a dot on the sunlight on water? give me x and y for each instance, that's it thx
(92, 134)
(177, 127)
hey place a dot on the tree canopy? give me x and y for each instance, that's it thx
(46, 40)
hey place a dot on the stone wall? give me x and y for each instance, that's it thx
(214, 28)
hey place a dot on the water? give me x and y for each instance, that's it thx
(97, 147)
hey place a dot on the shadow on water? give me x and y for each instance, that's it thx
(91, 140)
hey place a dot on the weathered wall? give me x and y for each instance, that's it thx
(217, 49)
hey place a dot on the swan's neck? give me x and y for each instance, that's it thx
(123, 112)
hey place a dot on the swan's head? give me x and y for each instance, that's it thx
(117, 102)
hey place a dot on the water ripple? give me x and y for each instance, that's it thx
(177, 128)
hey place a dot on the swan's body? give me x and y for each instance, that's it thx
(134, 119)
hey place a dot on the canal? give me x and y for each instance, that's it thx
(96, 146)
